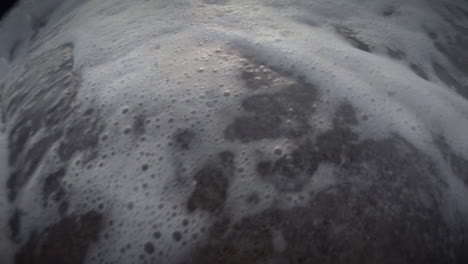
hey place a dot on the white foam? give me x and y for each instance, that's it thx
(177, 59)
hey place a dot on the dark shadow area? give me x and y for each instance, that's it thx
(5, 6)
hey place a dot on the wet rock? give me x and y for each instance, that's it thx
(351, 36)
(451, 47)
(210, 191)
(139, 124)
(66, 241)
(419, 71)
(31, 158)
(81, 136)
(14, 224)
(389, 11)
(39, 103)
(290, 172)
(345, 116)
(453, 42)
(449, 80)
(396, 53)
(282, 113)
(184, 139)
(29, 109)
(385, 209)
(52, 186)
(212, 182)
